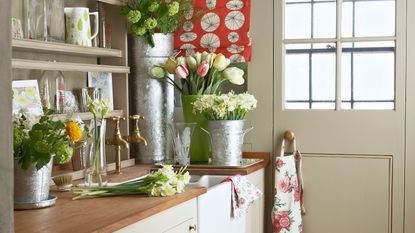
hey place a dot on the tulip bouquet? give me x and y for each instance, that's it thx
(164, 182)
(200, 73)
(226, 106)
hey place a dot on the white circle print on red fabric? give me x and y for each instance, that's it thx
(211, 4)
(210, 22)
(234, 20)
(235, 5)
(210, 41)
(188, 36)
(237, 58)
(233, 37)
(188, 26)
(188, 48)
(235, 48)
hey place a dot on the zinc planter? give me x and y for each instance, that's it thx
(227, 138)
(31, 186)
(151, 98)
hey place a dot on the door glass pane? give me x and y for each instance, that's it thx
(310, 71)
(310, 19)
(362, 18)
(368, 75)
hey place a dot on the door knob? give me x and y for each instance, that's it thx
(192, 228)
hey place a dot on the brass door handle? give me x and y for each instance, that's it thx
(193, 228)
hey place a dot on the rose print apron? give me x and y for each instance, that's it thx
(288, 202)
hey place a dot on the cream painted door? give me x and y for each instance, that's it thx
(354, 158)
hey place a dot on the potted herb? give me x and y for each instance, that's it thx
(38, 141)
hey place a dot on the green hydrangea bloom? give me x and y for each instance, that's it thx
(138, 30)
(63, 152)
(134, 16)
(153, 7)
(150, 23)
(173, 8)
(18, 137)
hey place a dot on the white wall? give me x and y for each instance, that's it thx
(6, 156)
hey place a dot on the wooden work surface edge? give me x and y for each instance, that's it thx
(99, 214)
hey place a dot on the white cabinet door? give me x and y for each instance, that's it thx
(255, 215)
(177, 219)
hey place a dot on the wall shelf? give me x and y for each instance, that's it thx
(62, 48)
(114, 2)
(64, 66)
(88, 116)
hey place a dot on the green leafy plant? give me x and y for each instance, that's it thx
(226, 106)
(37, 140)
(149, 16)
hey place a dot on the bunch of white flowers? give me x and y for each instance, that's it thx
(226, 106)
(164, 182)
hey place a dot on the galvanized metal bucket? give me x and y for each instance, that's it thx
(31, 186)
(227, 138)
(151, 98)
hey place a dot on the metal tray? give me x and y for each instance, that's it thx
(43, 204)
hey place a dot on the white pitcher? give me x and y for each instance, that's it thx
(78, 26)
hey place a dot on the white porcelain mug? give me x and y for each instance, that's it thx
(78, 26)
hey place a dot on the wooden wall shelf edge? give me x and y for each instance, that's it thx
(88, 116)
(64, 66)
(114, 2)
(62, 48)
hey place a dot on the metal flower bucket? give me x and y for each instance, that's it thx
(151, 98)
(31, 186)
(227, 138)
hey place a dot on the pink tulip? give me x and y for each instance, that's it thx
(203, 69)
(182, 71)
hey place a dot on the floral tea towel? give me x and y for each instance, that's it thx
(244, 193)
(287, 210)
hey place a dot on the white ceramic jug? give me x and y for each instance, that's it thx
(78, 26)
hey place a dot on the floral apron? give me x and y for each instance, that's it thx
(288, 202)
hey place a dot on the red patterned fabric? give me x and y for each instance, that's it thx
(223, 27)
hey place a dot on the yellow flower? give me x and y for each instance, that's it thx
(22, 100)
(73, 131)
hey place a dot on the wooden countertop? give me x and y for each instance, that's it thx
(113, 213)
(99, 214)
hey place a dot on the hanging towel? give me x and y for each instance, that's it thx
(288, 202)
(244, 193)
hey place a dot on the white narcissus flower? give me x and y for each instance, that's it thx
(234, 75)
(182, 71)
(221, 62)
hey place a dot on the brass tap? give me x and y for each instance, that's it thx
(118, 141)
(135, 136)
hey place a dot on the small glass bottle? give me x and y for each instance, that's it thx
(44, 91)
(60, 92)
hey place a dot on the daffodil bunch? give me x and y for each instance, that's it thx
(38, 140)
(164, 182)
(200, 73)
(226, 106)
(149, 16)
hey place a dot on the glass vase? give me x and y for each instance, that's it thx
(95, 162)
(36, 22)
(181, 136)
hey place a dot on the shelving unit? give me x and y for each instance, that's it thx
(61, 48)
(31, 56)
(85, 116)
(66, 66)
